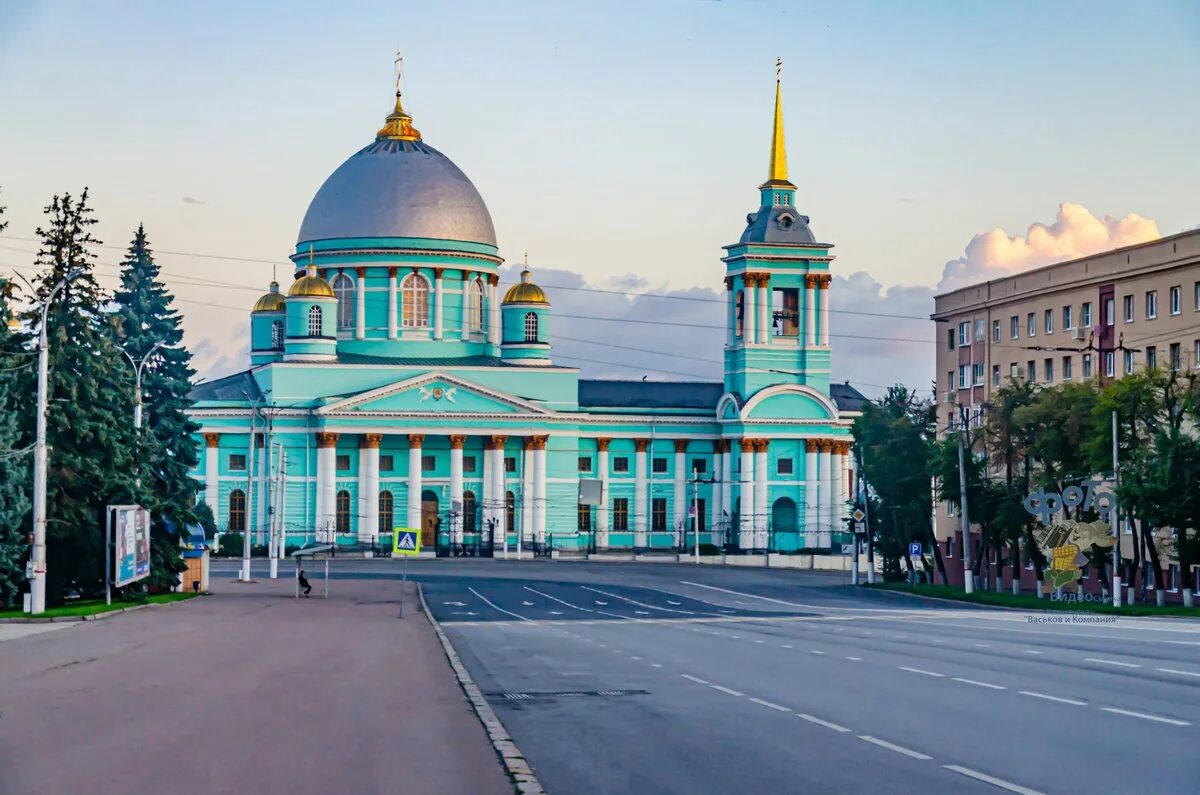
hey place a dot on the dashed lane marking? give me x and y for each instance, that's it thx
(856, 659)
(656, 665)
(636, 602)
(727, 690)
(494, 606)
(995, 782)
(1059, 699)
(820, 722)
(1177, 672)
(787, 646)
(770, 705)
(1032, 651)
(900, 749)
(921, 671)
(1117, 663)
(977, 683)
(691, 678)
(816, 651)
(1145, 716)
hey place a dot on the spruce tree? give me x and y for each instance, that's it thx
(89, 426)
(166, 454)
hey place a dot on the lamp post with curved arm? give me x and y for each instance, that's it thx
(138, 364)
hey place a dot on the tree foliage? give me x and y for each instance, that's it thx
(15, 456)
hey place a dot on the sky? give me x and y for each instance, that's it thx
(619, 144)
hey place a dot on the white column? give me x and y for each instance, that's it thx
(438, 321)
(465, 304)
(212, 470)
(762, 506)
(392, 309)
(602, 520)
(326, 494)
(368, 487)
(714, 501)
(827, 506)
(679, 498)
(499, 490)
(639, 494)
(730, 312)
(493, 292)
(811, 497)
(456, 487)
(746, 491)
(539, 488)
(810, 311)
(415, 441)
(527, 492)
(360, 305)
(489, 485)
(260, 491)
(844, 483)
(824, 293)
(749, 304)
(764, 306)
(726, 487)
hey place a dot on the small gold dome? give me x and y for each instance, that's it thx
(271, 302)
(526, 292)
(310, 285)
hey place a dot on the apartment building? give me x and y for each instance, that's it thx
(1094, 318)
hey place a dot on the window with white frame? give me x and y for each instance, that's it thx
(1176, 355)
(277, 335)
(1066, 368)
(1196, 355)
(1110, 312)
(1085, 313)
(964, 334)
(1031, 325)
(475, 305)
(1014, 327)
(1151, 357)
(314, 321)
(1196, 297)
(531, 327)
(1128, 362)
(1048, 321)
(1109, 363)
(995, 331)
(979, 331)
(1087, 365)
(1127, 308)
(1067, 318)
(343, 288)
(963, 373)
(1151, 304)
(414, 299)
(995, 375)
(977, 374)
(1048, 369)
(1176, 300)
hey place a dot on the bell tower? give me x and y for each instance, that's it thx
(777, 283)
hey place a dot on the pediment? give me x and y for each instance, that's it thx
(433, 393)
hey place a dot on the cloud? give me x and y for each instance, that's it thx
(192, 200)
(1075, 232)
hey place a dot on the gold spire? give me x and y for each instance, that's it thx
(398, 125)
(777, 172)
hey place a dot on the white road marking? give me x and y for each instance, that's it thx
(856, 659)
(921, 671)
(556, 612)
(760, 641)
(1178, 672)
(641, 612)
(673, 603)
(527, 604)
(656, 665)
(995, 782)
(727, 690)
(635, 602)
(799, 604)
(1032, 651)
(900, 749)
(455, 604)
(787, 646)
(938, 640)
(1144, 716)
(1182, 642)
(816, 651)
(819, 722)
(982, 645)
(1059, 699)
(736, 637)
(617, 651)
(493, 605)
(770, 705)
(691, 678)
(978, 683)
(1117, 663)
(602, 604)
(635, 658)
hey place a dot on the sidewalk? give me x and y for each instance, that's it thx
(249, 690)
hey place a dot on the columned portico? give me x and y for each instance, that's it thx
(415, 440)
(730, 313)
(762, 507)
(368, 486)
(456, 488)
(839, 485)
(639, 494)
(326, 472)
(602, 516)
(489, 485)
(749, 305)
(260, 489)
(746, 489)
(212, 466)
(764, 307)
(811, 497)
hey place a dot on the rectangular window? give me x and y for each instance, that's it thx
(387, 463)
(658, 513)
(1087, 365)
(585, 463)
(1151, 304)
(1031, 325)
(783, 466)
(1066, 371)
(1176, 300)
(977, 374)
(237, 462)
(949, 547)
(1067, 318)
(950, 380)
(1048, 370)
(979, 331)
(1196, 355)
(469, 464)
(583, 515)
(1196, 297)
(1031, 370)
(1110, 312)
(1151, 357)
(1109, 363)
(950, 338)
(1128, 362)
(1014, 327)
(699, 465)
(620, 464)
(1014, 371)
(1086, 313)
(659, 465)
(1048, 320)
(620, 511)
(428, 463)
(952, 508)
(995, 375)
(963, 373)
(785, 312)
(995, 331)
(964, 334)
(342, 462)
(1127, 308)
(510, 463)
(1176, 353)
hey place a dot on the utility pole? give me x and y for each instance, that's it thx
(37, 557)
(696, 511)
(249, 500)
(968, 579)
(862, 473)
(1116, 517)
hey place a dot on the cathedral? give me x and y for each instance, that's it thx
(395, 384)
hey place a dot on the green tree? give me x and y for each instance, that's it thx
(1009, 443)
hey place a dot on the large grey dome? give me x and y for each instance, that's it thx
(396, 188)
(777, 225)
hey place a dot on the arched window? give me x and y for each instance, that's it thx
(468, 510)
(343, 511)
(277, 335)
(343, 288)
(741, 312)
(414, 301)
(237, 511)
(314, 321)
(386, 505)
(531, 327)
(510, 511)
(475, 306)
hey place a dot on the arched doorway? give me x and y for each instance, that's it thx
(429, 519)
(783, 525)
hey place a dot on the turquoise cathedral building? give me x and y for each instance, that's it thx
(395, 384)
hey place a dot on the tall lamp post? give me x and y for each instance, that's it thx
(138, 365)
(37, 580)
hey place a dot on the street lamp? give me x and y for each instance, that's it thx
(37, 580)
(138, 364)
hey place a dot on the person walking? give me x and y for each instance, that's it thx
(304, 583)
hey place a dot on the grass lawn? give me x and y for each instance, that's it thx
(1030, 602)
(93, 606)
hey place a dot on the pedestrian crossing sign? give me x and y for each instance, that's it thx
(406, 541)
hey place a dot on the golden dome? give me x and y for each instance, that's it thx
(271, 302)
(526, 292)
(310, 285)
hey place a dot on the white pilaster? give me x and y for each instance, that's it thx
(368, 487)
(602, 517)
(456, 487)
(639, 495)
(827, 506)
(539, 488)
(746, 491)
(726, 489)
(714, 501)
(493, 293)
(392, 309)
(326, 495)
(749, 305)
(489, 486)
(360, 305)
(260, 493)
(499, 490)
(527, 493)
(679, 495)
(811, 495)
(730, 312)
(414, 481)
(764, 305)
(438, 320)
(212, 465)
(839, 487)
(824, 293)
(810, 311)
(465, 303)
(762, 506)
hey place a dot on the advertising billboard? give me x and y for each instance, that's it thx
(131, 544)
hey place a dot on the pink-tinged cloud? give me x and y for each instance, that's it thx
(1076, 232)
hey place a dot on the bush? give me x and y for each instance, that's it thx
(231, 547)
(710, 549)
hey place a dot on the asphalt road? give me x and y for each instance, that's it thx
(665, 678)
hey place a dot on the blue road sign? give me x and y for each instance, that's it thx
(406, 542)
(914, 550)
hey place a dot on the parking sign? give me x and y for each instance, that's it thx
(914, 549)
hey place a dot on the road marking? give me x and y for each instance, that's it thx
(527, 604)
(556, 612)
(799, 604)
(979, 684)
(656, 665)
(617, 651)
(455, 604)
(736, 637)
(1178, 672)
(602, 604)
(1182, 642)
(787, 646)
(816, 651)
(1111, 662)
(691, 678)
(634, 658)
(673, 603)
(1032, 651)
(1059, 699)
(641, 612)
(856, 659)
(493, 605)
(760, 641)
(819, 722)
(995, 782)
(635, 602)
(770, 705)
(921, 671)
(1144, 716)
(727, 690)
(938, 640)
(900, 749)
(556, 599)
(982, 645)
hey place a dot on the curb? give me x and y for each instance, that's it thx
(94, 616)
(514, 761)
